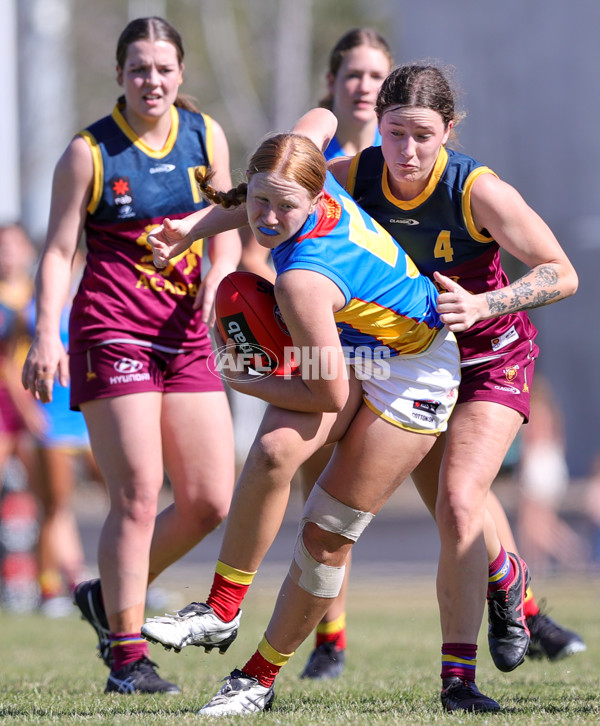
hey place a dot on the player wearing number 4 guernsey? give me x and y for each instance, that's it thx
(453, 215)
(438, 231)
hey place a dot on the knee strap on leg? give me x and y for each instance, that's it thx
(334, 516)
(313, 576)
(330, 514)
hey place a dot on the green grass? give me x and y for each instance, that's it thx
(49, 673)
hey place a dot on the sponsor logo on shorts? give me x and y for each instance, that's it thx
(425, 410)
(422, 417)
(505, 339)
(128, 365)
(510, 374)
(427, 406)
(129, 371)
(410, 222)
(507, 389)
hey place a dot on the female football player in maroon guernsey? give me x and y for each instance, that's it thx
(139, 345)
(453, 215)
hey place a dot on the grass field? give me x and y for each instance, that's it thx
(49, 673)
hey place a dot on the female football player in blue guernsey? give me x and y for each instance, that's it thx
(139, 343)
(343, 284)
(359, 62)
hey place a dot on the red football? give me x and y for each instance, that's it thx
(247, 312)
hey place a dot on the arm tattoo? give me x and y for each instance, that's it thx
(535, 289)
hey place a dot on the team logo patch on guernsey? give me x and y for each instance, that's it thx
(122, 196)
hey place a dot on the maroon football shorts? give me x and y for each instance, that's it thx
(505, 380)
(118, 369)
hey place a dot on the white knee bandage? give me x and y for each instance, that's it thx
(334, 516)
(314, 577)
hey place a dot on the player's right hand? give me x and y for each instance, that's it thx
(46, 361)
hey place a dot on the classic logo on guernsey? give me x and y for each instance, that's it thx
(122, 196)
(409, 222)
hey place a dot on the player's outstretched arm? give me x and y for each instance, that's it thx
(175, 236)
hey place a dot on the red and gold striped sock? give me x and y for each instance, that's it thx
(266, 663)
(530, 606)
(228, 590)
(332, 632)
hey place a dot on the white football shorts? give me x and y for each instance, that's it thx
(414, 392)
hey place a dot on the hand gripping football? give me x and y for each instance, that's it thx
(247, 312)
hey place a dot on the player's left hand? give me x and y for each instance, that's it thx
(458, 308)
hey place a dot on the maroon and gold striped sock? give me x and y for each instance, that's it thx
(127, 648)
(501, 572)
(459, 659)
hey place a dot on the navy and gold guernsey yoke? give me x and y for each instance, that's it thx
(437, 230)
(135, 187)
(388, 302)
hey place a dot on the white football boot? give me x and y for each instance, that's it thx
(196, 624)
(240, 696)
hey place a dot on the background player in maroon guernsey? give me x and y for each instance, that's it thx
(139, 343)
